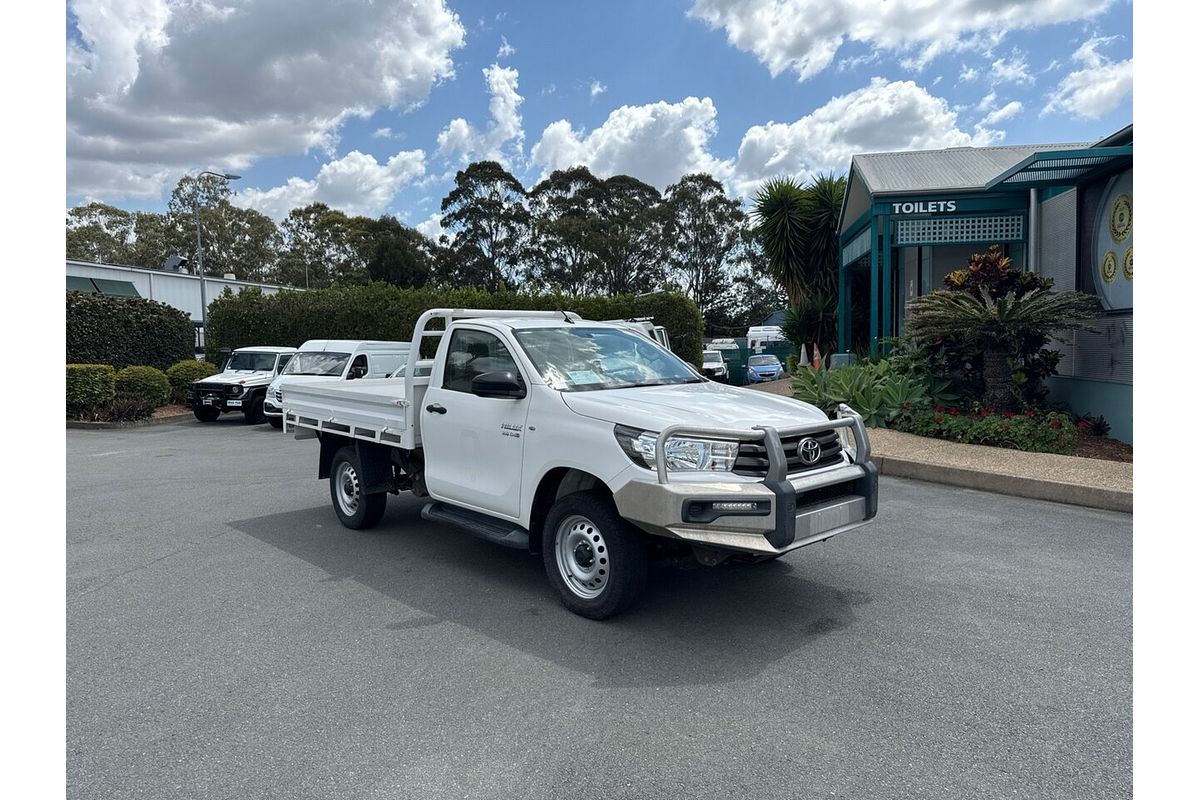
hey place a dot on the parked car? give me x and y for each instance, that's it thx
(241, 385)
(588, 444)
(764, 367)
(345, 359)
(714, 366)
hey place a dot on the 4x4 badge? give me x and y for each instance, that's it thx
(809, 450)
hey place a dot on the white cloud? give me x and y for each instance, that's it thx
(505, 50)
(597, 88)
(880, 117)
(657, 143)
(805, 35)
(968, 74)
(157, 88)
(355, 184)
(1011, 70)
(382, 133)
(1096, 89)
(1005, 112)
(432, 227)
(504, 137)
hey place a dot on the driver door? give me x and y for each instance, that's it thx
(474, 445)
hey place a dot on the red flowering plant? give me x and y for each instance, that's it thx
(1041, 432)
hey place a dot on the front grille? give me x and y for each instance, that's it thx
(752, 456)
(279, 395)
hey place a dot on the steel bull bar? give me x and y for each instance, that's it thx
(798, 525)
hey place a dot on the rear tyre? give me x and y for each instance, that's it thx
(594, 559)
(254, 412)
(206, 413)
(275, 422)
(354, 509)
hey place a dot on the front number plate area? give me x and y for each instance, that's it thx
(233, 403)
(814, 520)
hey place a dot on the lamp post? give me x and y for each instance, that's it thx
(229, 176)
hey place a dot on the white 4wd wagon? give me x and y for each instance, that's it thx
(241, 385)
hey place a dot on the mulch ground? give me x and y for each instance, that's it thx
(1087, 447)
(170, 411)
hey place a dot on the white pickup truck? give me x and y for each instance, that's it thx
(588, 444)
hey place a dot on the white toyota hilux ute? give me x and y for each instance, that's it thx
(590, 445)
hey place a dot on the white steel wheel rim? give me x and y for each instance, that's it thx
(582, 556)
(347, 488)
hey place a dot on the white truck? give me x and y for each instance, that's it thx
(588, 444)
(321, 359)
(241, 385)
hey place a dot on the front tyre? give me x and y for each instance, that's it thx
(254, 412)
(594, 559)
(206, 413)
(354, 509)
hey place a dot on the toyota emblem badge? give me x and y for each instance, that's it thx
(809, 450)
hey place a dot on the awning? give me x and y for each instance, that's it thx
(1062, 168)
(77, 284)
(115, 288)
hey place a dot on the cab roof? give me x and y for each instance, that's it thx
(353, 346)
(265, 349)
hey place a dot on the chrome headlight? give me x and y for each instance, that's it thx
(683, 453)
(235, 390)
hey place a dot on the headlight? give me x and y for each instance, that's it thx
(235, 390)
(682, 453)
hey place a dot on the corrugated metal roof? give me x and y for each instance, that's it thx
(952, 169)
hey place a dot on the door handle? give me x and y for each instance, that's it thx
(435, 408)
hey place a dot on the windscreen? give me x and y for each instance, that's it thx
(762, 361)
(317, 364)
(712, 358)
(259, 362)
(575, 359)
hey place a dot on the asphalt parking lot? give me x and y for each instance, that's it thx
(227, 638)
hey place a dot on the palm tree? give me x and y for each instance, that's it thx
(797, 226)
(781, 229)
(996, 326)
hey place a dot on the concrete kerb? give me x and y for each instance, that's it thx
(1018, 486)
(140, 423)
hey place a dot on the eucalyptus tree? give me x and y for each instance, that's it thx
(565, 229)
(99, 232)
(705, 232)
(486, 214)
(631, 225)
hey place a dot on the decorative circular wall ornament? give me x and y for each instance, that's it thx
(1120, 222)
(1112, 240)
(1108, 268)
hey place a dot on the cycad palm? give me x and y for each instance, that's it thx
(997, 325)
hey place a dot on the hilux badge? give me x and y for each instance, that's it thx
(809, 450)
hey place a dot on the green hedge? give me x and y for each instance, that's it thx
(382, 311)
(123, 331)
(182, 374)
(90, 388)
(145, 385)
(1032, 431)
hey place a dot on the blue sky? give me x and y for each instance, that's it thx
(372, 107)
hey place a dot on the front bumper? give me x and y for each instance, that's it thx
(785, 512)
(214, 400)
(757, 377)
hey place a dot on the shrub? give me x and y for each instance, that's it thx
(90, 387)
(1032, 431)
(872, 389)
(183, 373)
(146, 385)
(382, 311)
(123, 331)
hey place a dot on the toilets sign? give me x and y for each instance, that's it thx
(925, 207)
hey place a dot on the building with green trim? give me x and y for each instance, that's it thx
(1064, 211)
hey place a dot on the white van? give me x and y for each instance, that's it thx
(322, 359)
(759, 336)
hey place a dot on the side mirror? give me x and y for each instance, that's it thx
(498, 384)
